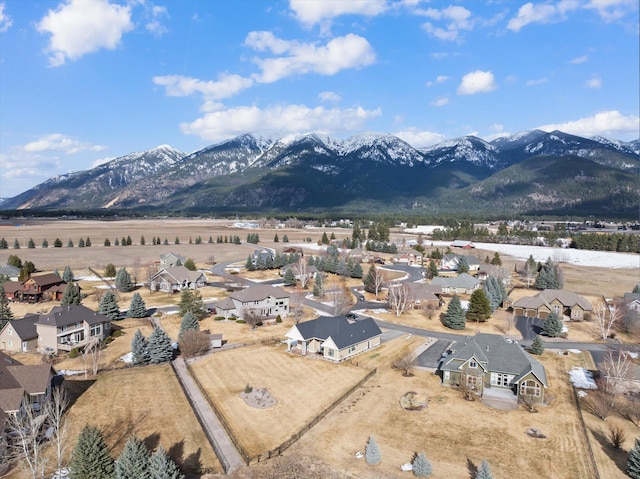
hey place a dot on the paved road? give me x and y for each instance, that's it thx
(220, 441)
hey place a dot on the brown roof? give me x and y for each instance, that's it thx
(48, 279)
(25, 328)
(10, 399)
(34, 379)
(11, 287)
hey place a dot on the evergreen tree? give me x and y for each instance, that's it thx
(139, 348)
(87, 243)
(107, 242)
(67, 274)
(633, 463)
(454, 317)
(57, 243)
(16, 244)
(31, 244)
(369, 280)
(537, 346)
(162, 467)
(433, 269)
(160, 348)
(276, 239)
(116, 242)
(356, 271)
(165, 242)
(5, 311)
(70, 243)
(479, 307)
(210, 241)
(318, 289)
(133, 461)
(552, 326)
(549, 276)
(189, 264)
(285, 239)
(372, 452)
(45, 243)
(189, 321)
(129, 242)
(71, 295)
(3, 244)
(14, 260)
(123, 281)
(137, 307)
(289, 277)
(421, 466)
(325, 238)
(192, 301)
(110, 271)
(249, 264)
(81, 243)
(496, 260)
(108, 305)
(90, 458)
(463, 265)
(142, 241)
(484, 471)
(636, 289)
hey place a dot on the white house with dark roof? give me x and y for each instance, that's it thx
(262, 300)
(494, 367)
(334, 337)
(559, 301)
(462, 284)
(176, 278)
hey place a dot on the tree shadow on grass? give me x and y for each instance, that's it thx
(152, 441)
(618, 456)
(472, 468)
(76, 388)
(176, 451)
(122, 428)
(192, 462)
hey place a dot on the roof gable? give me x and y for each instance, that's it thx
(71, 314)
(342, 332)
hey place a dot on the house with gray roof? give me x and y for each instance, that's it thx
(176, 278)
(10, 271)
(334, 337)
(23, 385)
(462, 284)
(451, 262)
(494, 367)
(169, 260)
(262, 300)
(632, 301)
(560, 301)
(20, 335)
(70, 326)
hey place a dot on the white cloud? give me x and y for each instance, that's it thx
(541, 13)
(420, 139)
(539, 81)
(439, 79)
(594, 83)
(226, 86)
(611, 124)
(611, 10)
(61, 143)
(349, 51)
(79, 27)
(456, 18)
(155, 14)
(223, 124)
(578, 60)
(311, 12)
(477, 82)
(440, 102)
(5, 20)
(329, 96)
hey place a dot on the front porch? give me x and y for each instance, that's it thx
(499, 398)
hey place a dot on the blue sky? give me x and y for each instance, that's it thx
(84, 81)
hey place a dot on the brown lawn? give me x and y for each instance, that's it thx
(303, 387)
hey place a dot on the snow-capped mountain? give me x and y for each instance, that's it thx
(307, 171)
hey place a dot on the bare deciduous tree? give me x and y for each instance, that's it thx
(399, 298)
(617, 369)
(194, 343)
(616, 435)
(54, 411)
(378, 280)
(26, 438)
(252, 317)
(340, 297)
(599, 402)
(91, 355)
(630, 408)
(606, 318)
(405, 362)
(301, 271)
(297, 304)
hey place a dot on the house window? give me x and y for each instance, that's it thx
(530, 388)
(473, 364)
(447, 375)
(10, 331)
(10, 344)
(352, 349)
(556, 309)
(95, 330)
(500, 379)
(330, 352)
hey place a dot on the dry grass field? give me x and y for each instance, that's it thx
(303, 387)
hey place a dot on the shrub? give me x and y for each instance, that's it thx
(241, 321)
(194, 343)
(117, 333)
(74, 353)
(219, 318)
(248, 388)
(278, 319)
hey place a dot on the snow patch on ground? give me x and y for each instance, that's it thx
(127, 358)
(582, 378)
(71, 372)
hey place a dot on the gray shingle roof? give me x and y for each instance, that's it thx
(463, 280)
(66, 315)
(343, 333)
(258, 293)
(547, 296)
(496, 355)
(25, 328)
(9, 270)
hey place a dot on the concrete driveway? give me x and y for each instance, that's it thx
(430, 358)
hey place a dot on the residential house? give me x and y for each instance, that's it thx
(424, 295)
(293, 250)
(20, 335)
(176, 278)
(495, 368)
(561, 302)
(10, 271)
(334, 337)
(464, 244)
(451, 262)
(308, 272)
(462, 284)
(263, 256)
(263, 300)
(44, 287)
(632, 301)
(169, 260)
(360, 255)
(408, 257)
(23, 385)
(68, 327)
(486, 270)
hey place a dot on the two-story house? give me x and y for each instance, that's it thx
(263, 300)
(68, 327)
(23, 385)
(176, 278)
(43, 287)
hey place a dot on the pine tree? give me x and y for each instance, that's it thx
(133, 461)
(479, 307)
(636, 289)
(110, 271)
(285, 239)
(137, 307)
(484, 471)
(139, 348)
(57, 243)
(90, 458)
(162, 467)
(633, 463)
(142, 241)
(537, 346)
(5, 311)
(463, 265)
(45, 243)
(107, 242)
(87, 243)
(3, 244)
(275, 238)
(31, 244)
(552, 326)
(496, 260)
(325, 238)
(454, 316)
(370, 280)
(16, 244)
(67, 274)
(189, 264)
(318, 288)
(192, 301)
(71, 295)
(81, 243)
(70, 243)
(160, 348)
(433, 269)
(421, 466)
(123, 281)
(189, 321)
(289, 277)
(372, 452)
(108, 305)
